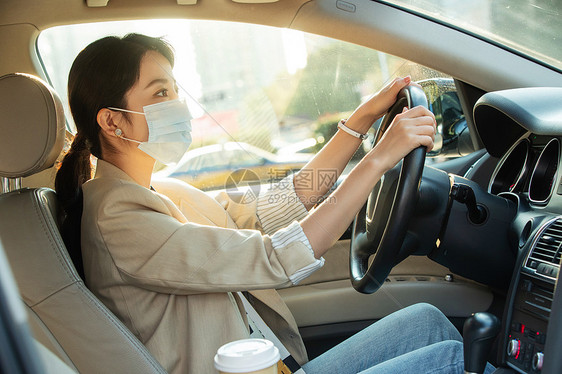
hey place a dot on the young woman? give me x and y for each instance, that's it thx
(167, 266)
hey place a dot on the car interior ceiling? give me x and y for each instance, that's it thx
(448, 50)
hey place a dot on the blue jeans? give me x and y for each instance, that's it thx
(417, 339)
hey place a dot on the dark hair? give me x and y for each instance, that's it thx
(100, 76)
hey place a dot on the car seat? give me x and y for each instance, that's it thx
(63, 314)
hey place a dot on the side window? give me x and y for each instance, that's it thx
(213, 161)
(242, 158)
(280, 92)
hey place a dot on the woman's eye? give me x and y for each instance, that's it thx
(162, 93)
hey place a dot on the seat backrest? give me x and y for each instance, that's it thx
(20, 352)
(64, 315)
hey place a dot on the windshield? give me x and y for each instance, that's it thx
(531, 27)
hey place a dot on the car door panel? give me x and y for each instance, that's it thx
(319, 299)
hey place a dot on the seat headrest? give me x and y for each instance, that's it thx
(32, 126)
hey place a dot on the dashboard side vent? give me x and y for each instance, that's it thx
(546, 251)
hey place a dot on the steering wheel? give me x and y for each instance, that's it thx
(380, 226)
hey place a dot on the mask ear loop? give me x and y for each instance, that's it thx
(119, 132)
(125, 110)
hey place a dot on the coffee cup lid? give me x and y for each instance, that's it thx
(246, 355)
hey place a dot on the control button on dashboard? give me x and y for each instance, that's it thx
(538, 359)
(513, 347)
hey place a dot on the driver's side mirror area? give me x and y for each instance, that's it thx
(453, 136)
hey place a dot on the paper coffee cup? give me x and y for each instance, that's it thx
(255, 356)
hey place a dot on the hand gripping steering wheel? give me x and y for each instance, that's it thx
(380, 226)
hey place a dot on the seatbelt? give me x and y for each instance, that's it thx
(259, 329)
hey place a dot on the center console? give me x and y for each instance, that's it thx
(528, 317)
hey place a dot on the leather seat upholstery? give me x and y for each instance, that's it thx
(63, 314)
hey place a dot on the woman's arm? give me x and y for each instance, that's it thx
(153, 246)
(409, 130)
(316, 178)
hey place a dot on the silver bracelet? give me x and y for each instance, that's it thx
(341, 125)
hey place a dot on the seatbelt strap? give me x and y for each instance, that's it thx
(259, 329)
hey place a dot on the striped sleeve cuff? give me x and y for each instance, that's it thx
(294, 233)
(278, 206)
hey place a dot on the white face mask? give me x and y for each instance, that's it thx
(169, 130)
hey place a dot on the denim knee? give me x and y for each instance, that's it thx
(428, 311)
(434, 317)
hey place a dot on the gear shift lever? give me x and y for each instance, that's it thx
(479, 332)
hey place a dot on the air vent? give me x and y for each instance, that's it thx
(545, 255)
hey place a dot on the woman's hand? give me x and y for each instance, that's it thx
(374, 108)
(382, 100)
(409, 130)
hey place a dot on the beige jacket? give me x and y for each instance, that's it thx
(167, 266)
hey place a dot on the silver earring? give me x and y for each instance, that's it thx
(118, 132)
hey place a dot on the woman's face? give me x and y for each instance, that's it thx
(156, 83)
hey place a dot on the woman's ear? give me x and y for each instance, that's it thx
(108, 120)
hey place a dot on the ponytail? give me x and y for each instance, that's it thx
(73, 172)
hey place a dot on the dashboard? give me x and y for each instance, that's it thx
(523, 128)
